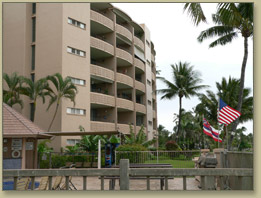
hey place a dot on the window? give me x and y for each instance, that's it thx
(33, 57)
(76, 111)
(149, 102)
(76, 23)
(149, 83)
(34, 8)
(139, 120)
(148, 43)
(33, 29)
(72, 142)
(76, 51)
(150, 123)
(32, 77)
(77, 81)
(32, 111)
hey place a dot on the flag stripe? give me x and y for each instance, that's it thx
(210, 131)
(230, 114)
(233, 111)
(226, 114)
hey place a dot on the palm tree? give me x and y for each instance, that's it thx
(195, 12)
(11, 96)
(185, 84)
(64, 89)
(35, 90)
(231, 20)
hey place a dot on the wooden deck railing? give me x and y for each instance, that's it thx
(124, 173)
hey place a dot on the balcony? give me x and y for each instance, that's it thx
(153, 76)
(138, 43)
(140, 86)
(152, 58)
(102, 72)
(154, 95)
(139, 64)
(125, 56)
(125, 104)
(102, 20)
(124, 128)
(103, 49)
(124, 79)
(124, 32)
(102, 99)
(102, 126)
(140, 108)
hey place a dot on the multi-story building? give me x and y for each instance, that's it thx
(109, 57)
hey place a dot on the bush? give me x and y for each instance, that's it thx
(172, 146)
(128, 151)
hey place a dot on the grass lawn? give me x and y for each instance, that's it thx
(174, 163)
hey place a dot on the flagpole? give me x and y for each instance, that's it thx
(203, 132)
(217, 120)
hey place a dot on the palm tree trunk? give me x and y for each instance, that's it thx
(180, 107)
(57, 105)
(34, 111)
(241, 89)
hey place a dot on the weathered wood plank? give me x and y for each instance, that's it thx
(124, 174)
(84, 183)
(184, 183)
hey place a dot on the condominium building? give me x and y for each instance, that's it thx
(110, 58)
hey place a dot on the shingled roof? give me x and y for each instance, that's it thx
(16, 125)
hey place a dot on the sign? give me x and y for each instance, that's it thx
(29, 146)
(17, 144)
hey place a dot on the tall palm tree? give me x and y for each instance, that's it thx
(35, 90)
(185, 83)
(196, 12)
(64, 89)
(231, 20)
(11, 95)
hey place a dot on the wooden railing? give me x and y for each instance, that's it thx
(124, 173)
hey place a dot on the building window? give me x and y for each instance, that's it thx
(76, 111)
(33, 57)
(34, 8)
(139, 120)
(150, 123)
(148, 43)
(76, 51)
(32, 77)
(78, 81)
(32, 111)
(149, 102)
(76, 23)
(72, 142)
(33, 29)
(149, 83)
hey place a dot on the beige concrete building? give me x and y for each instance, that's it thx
(110, 58)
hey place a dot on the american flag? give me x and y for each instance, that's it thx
(226, 114)
(210, 131)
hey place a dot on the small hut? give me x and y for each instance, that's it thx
(20, 137)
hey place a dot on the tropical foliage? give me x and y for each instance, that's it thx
(64, 88)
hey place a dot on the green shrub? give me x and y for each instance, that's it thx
(172, 146)
(128, 151)
(58, 161)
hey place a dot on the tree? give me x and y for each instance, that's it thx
(185, 84)
(231, 20)
(35, 90)
(11, 96)
(64, 89)
(195, 12)
(163, 136)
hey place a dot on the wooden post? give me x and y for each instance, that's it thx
(99, 154)
(50, 160)
(15, 182)
(148, 183)
(32, 183)
(124, 174)
(84, 183)
(202, 181)
(184, 183)
(166, 183)
(67, 182)
(50, 182)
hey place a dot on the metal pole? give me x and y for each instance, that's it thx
(217, 120)
(99, 154)
(157, 156)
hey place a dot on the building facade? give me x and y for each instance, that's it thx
(109, 57)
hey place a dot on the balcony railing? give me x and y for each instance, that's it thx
(139, 64)
(102, 72)
(140, 86)
(124, 128)
(125, 104)
(102, 126)
(99, 18)
(98, 98)
(140, 108)
(123, 31)
(138, 43)
(124, 79)
(102, 45)
(122, 54)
